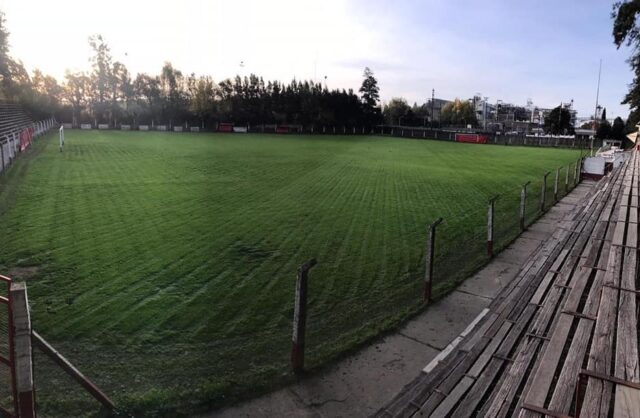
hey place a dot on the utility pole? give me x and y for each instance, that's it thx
(595, 112)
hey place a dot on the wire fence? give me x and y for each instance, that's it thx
(461, 250)
(461, 247)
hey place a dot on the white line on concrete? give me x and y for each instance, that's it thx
(448, 349)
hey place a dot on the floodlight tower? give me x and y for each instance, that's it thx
(433, 100)
(484, 111)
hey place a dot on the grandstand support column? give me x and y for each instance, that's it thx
(300, 317)
(523, 205)
(430, 253)
(23, 352)
(543, 192)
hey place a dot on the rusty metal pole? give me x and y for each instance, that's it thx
(555, 186)
(543, 193)
(490, 213)
(523, 205)
(428, 274)
(300, 317)
(2, 154)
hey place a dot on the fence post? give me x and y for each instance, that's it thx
(2, 154)
(23, 357)
(543, 194)
(566, 180)
(490, 226)
(576, 180)
(555, 186)
(300, 316)
(523, 205)
(428, 274)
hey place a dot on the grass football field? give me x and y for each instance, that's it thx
(163, 265)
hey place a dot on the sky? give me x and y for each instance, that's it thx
(545, 50)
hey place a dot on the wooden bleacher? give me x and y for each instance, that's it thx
(561, 339)
(12, 119)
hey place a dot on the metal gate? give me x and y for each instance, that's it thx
(8, 397)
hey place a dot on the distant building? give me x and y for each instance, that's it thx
(435, 107)
(584, 134)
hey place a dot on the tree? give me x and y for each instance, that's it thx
(627, 32)
(558, 122)
(202, 97)
(77, 93)
(632, 121)
(173, 95)
(370, 97)
(458, 113)
(5, 78)
(121, 91)
(604, 130)
(603, 118)
(617, 130)
(147, 92)
(101, 77)
(396, 110)
(46, 94)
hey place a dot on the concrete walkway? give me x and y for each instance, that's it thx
(361, 384)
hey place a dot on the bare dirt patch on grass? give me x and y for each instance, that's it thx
(24, 272)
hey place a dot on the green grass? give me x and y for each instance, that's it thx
(166, 263)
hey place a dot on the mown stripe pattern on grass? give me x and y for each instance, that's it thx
(166, 263)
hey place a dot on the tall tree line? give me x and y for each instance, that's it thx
(109, 93)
